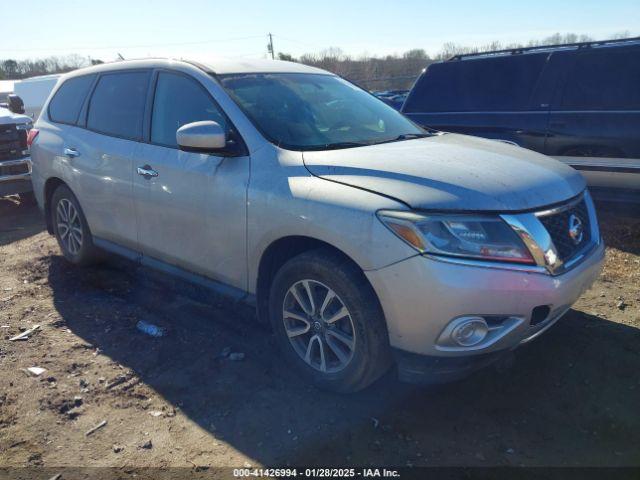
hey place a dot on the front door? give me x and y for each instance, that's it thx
(191, 210)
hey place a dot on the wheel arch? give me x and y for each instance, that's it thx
(51, 186)
(278, 253)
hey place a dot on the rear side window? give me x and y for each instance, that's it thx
(117, 104)
(180, 100)
(606, 79)
(484, 84)
(67, 102)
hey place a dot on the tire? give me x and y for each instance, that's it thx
(65, 212)
(27, 198)
(349, 366)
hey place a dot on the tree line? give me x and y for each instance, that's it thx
(398, 72)
(389, 72)
(19, 69)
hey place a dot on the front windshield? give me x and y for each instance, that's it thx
(303, 111)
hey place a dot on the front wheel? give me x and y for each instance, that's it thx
(328, 321)
(71, 229)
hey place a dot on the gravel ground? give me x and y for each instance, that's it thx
(571, 397)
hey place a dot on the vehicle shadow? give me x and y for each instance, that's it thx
(18, 220)
(620, 225)
(570, 399)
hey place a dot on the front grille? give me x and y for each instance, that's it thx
(13, 142)
(559, 225)
(19, 169)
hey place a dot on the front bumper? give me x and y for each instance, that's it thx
(424, 369)
(11, 184)
(420, 296)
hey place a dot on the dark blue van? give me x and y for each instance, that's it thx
(579, 103)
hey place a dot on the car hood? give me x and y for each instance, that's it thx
(451, 172)
(7, 117)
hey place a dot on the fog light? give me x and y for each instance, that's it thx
(470, 331)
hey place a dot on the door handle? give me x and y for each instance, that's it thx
(71, 152)
(147, 172)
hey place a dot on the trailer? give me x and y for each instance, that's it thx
(34, 92)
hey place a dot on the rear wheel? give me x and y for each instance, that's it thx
(71, 229)
(328, 321)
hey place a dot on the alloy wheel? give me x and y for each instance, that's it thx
(319, 326)
(69, 226)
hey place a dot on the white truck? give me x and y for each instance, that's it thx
(15, 161)
(20, 105)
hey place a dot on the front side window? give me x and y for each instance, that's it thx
(117, 104)
(316, 111)
(180, 100)
(608, 79)
(67, 102)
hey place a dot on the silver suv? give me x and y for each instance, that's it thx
(365, 240)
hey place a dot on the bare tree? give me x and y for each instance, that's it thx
(17, 69)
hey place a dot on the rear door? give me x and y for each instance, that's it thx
(103, 161)
(58, 128)
(595, 119)
(502, 98)
(192, 214)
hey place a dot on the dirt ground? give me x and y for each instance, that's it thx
(571, 398)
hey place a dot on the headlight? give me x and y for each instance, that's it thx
(481, 237)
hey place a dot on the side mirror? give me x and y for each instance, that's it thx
(204, 137)
(16, 105)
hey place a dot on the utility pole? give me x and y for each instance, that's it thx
(270, 47)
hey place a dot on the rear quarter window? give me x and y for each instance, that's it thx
(117, 104)
(67, 102)
(482, 84)
(604, 79)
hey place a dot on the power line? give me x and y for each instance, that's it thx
(298, 41)
(244, 55)
(270, 47)
(113, 47)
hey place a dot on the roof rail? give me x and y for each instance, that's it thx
(514, 51)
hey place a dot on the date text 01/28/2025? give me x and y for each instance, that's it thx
(315, 473)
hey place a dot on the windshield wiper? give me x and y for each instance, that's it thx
(411, 136)
(337, 145)
(406, 136)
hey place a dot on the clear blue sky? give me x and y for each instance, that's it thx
(239, 28)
